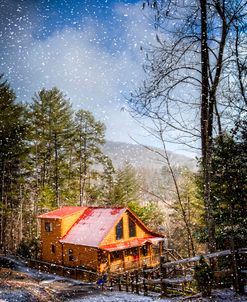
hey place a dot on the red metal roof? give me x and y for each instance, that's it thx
(63, 212)
(130, 243)
(92, 227)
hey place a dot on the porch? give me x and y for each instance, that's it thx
(126, 259)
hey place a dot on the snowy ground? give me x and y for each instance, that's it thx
(218, 296)
(70, 290)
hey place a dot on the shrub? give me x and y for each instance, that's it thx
(203, 275)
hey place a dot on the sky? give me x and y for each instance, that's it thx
(90, 50)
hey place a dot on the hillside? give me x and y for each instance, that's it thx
(140, 157)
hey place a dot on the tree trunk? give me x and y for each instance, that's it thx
(206, 141)
(56, 171)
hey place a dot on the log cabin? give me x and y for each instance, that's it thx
(103, 239)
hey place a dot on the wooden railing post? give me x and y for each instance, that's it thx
(127, 282)
(137, 283)
(120, 284)
(132, 283)
(145, 288)
(240, 275)
(163, 275)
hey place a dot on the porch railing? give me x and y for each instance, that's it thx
(148, 261)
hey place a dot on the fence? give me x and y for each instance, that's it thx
(70, 272)
(169, 276)
(177, 276)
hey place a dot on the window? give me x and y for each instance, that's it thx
(48, 226)
(132, 228)
(144, 250)
(116, 255)
(71, 257)
(119, 230)
(53, 248)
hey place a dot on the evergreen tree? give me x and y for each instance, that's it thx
(13, 151)
(52, 131)
(89, 137)
(126, 187)
(229, 189)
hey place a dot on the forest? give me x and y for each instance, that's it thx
(194, 93)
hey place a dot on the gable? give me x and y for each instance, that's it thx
(141, 230)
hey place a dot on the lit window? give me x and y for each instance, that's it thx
(53, 248)
(132, 228)
(48, 226)
(119, 230)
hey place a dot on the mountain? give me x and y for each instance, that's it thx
(141, 157)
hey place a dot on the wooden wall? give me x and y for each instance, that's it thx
(82, 256)
(59, 228)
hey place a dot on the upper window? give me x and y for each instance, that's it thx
(48, 226)
(119, 230)
(132, 228)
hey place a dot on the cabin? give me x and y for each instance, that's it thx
(103, 239)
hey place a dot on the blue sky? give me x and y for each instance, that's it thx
(88, 49)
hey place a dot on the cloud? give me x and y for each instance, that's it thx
(93, 68)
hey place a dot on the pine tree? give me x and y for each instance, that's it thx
(13, 151)
(89, 137)
(229, 189)
(52, 132)
(126, 187)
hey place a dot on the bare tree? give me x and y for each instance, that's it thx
(185, 71)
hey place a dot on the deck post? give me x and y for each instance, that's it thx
(139, 256)
(127, 282)
(119, 284)
(150, 250)
(124, 264)
(145, 288)
(137, 283)
(163, 275)
(109, 261)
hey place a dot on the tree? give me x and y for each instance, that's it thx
(150, 214)
(13, 153)
(89, 136)
(229, 189)
(191, 57)
(51, 117)
(192, 205)
(126, 187)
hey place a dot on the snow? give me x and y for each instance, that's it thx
(117, 296)
(225, 295)
(90, 293)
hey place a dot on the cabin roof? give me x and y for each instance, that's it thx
(62, 212)
(92, 226)
(130, 243)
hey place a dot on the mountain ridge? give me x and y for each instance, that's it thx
(140, 157)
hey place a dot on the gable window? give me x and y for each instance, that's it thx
(48, 226)
(119, 230)
(132, 228)
(71, 256)
(53, 248)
